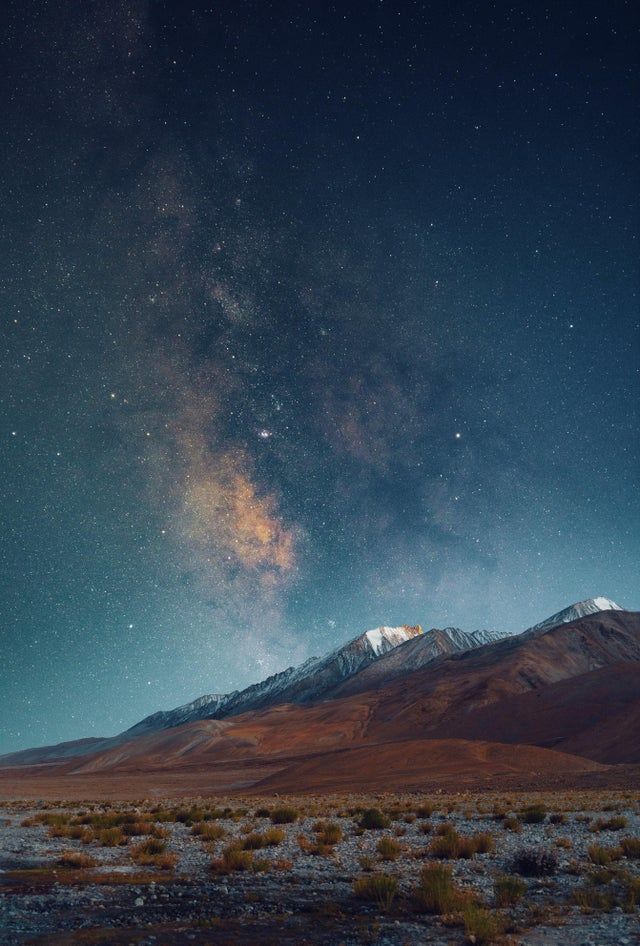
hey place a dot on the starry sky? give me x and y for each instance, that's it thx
(316, 316)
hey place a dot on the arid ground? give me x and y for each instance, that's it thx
(391, 869)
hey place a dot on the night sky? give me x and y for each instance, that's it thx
(315, 316)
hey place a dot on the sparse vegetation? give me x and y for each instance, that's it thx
(601, 855)
(111, 837)
(449, 844)
(508, 890)
(153, 853)
(381, 888)
(284, 815)
(535, 862)
(481, 926)
(533, 814)
(436, 891)
(617, 823)
(76, 860)
(388, 849)
(630, 847)
(374, 819)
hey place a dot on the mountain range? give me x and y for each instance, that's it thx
(392, 708)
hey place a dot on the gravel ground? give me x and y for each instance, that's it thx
(302, 898)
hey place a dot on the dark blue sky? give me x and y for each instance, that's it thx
(315, 317)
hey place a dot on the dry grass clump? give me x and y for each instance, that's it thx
(236, 859)
(630, 847)
(508, 890)
(373, 819)
(75, 860)
(601, 855)
(135, 829)
(48, 818)
(608, 890)
(208, 831)
(388, 849)
(74, 832)
(617, 823)
(481, 926)
(380, 888)
(366, 862)
(533, 814)
(450, 844)
(284, 815)
(328, 832)
(111, 837)
(153, 853)
(436, 892)
(425, 810)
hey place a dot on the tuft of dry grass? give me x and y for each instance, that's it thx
(481, 926)
(380, 888)
(630, 848)
(508, 890)
(153, 853)
(284, 815)
(111, 837)
(75, 860)
(601, 855)
(617, 823)
(373, 819)
(388, 849)
(436, 892)
(449, 844)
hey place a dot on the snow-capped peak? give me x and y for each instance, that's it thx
(578, 610)
(383, 639)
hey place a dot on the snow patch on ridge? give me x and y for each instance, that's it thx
(578, 610)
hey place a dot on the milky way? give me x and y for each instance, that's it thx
(315, 318)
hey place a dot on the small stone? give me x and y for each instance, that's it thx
(139, 902)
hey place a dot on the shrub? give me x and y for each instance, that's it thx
(533, 814)
(284, 815)
(381, 888)
(480, 925)
(534, 862)
(75, 860)
(600, 855)
(630, 847)
(508, 890)
(388, 849)
(437, 893)
(558, 819)
(374, 819)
